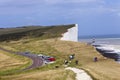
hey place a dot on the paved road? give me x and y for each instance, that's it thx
(36, 60)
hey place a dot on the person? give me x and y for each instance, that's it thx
(71, 56)
(95, 59)
(66, 62)
(76, 62)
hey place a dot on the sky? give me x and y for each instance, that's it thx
(94, 17)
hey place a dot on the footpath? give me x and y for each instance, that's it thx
(80, 74)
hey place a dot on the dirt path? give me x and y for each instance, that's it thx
(36, 60)
(80, 74)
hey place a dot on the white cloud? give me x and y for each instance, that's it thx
(26, 7)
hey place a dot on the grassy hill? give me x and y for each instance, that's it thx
(10, 63)
(44, 32)
(104, 69)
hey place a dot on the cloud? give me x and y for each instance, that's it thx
(45, 7)
(55, 8)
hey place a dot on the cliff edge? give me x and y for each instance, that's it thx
(71, 34)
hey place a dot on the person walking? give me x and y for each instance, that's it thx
(76, 62)
(95, 59)
(66, 62)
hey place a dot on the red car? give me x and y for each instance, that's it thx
(51, 59)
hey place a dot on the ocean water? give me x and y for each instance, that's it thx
(108, 47)
(108, 41)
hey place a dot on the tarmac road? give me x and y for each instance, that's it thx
(36, 60)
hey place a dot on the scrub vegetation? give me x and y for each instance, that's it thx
(43, 32)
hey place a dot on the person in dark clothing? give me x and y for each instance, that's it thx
(72, 56)
(66, 62)
(95, 59)
(76, 62)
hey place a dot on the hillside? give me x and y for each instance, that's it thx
(10, 63)
(43, 32)
(61, 50)
(104, 69)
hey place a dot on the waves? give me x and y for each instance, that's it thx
(108, 47)
(110, 51)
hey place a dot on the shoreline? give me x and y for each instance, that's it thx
(97, 38)
(103, 41)
(108, 51)
(107, 47)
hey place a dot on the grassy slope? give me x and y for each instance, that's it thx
(104, 69)
(41, 32)
(59, 74)
(10, 63)
(49, 71)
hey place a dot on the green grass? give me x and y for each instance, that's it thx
(13, 71)
(104, 69)
(16, 68)
(56, 74)
(46, 49)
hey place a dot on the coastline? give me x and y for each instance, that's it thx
(83, 53)
(109, 51)
(107, 47)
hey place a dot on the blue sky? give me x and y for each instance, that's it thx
(94, 17)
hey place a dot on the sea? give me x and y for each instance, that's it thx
(108, 47)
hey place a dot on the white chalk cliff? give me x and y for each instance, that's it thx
(71, 34)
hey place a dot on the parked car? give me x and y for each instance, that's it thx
(27, 52)
(47, 58)
(51, 59)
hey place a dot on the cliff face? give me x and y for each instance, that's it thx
(71, 34)
(43, 32)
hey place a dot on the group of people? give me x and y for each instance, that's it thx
(71, 57)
